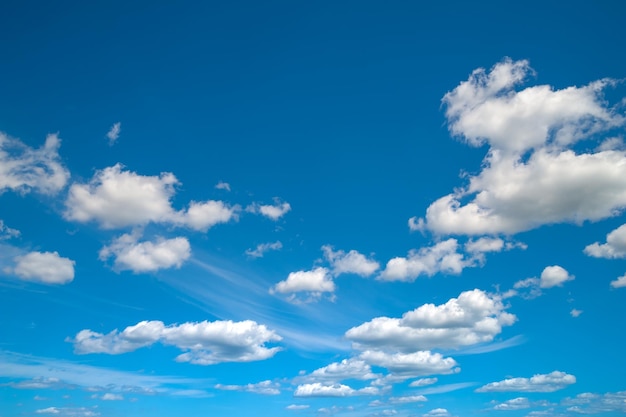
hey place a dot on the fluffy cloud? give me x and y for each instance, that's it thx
(551, 382)
(409, 365)
(437, 412)
(262, 248)
(116, 198)
(614, 248)
(318, 389)
(44, 267)
(529, 177)
(554, 276)
(142, 257)
(619, 282)
(338, 371)
(114, 133)
(423, 382)
(273, 212)
(519, 403)
(263, 387)
(204, 343)
(25, 169)
(442, 257)
(315, 281)
(474, 317)
(352, 262)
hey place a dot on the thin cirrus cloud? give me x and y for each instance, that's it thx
(117, 198)
(551, 382)
(554, 184)
(24, 169)
(263, 387)
(263, 248)
(203, 343)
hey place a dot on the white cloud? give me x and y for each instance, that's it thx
(115, 198)
(442, 257)
(262, 248)
(338, 371)
(529, 176)
(554, 276)
(146, 256)
(273, 212)
(25, 169)
(519, 403)
(551, 382)
(614, 248)
(352, 262)
(437, 412)
(416, 225)
(619, 282)
(6, 232)
(611, 144)
(409, 365)
(407, 399)
(317, 281)
(263, 387)
(69, 411)
(590, 403)
(297, 407)
(49, 410)
(318, 389)
(474, 317)
(423, 382)
(204, 343)
(485, 244)
(109, 396)
(575, 313)
(44, 267)
(222, 186)
(114, 133)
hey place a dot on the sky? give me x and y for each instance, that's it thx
(346, 208)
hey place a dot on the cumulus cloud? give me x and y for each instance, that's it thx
(554, 276)
(203, 343)
(117, 198)
(273, 212)
(438, 412)
(614, 248)
(339, 371)
(410, 365)
(262, 248)
(530, 177)
(44, 267)
(474, 317)
(619, 282)
(551, 382)
(591, 403)
(263, 387)
(314, 282)
(24, 169)
(519, 403)
(114, 133)
(423, 382)
(352, 262)
(141, 257)
(318, 389)
(442, 257)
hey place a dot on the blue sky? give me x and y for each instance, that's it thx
(333, 208)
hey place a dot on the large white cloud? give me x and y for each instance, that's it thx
(204, 343)
(23, 168)
(474, 317)
(614, 248)
(551, 382)
(530, 177)
(44, 267)
(117, 198)
(352, 262)
(141, 257)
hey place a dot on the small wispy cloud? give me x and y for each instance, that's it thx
(222, 186)
(262, 248)
(114, 133)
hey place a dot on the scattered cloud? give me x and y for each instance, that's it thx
(297, 407)
(142, 257)
(263, 387)
(318, 389)
(114, 133)
(44, 268)
(407, 399)
(6, 232)
(438, 412)
(551, 382)
(591, 403)
(24, 169)
(619, 282)
(116, 198)
(109, 396)
(69, 411)
(262, 248)
(423, 382)
(273, 212)
(203, 343)
(519, 403)
(339, 371)
(352, 262)
(474, 317)
(575, 313)
(529, 176)
(222, 186)
(614, 248)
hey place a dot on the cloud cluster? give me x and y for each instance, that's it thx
(24, 169)
(530, 176)
(591, 403)
(203, 343)
(116, 198)
(551, 276)
(551, 382)
(474, 317)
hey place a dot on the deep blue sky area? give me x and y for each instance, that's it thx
(348, 208)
